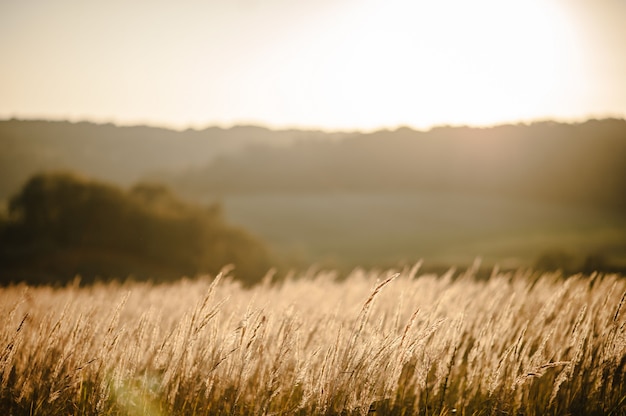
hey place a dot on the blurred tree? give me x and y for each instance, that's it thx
(61, 225)
(552, 261)
(595, 262)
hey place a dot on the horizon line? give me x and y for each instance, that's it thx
(305, 128)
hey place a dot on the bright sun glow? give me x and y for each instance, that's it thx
(404, 62)
(361, 64)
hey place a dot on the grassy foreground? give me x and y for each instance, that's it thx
(377, 343)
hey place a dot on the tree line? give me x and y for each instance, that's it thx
(60, 225)
(580, 164)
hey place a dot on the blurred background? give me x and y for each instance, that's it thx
(160, 203)
(156, 140)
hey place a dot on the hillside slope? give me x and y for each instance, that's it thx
(573, 163)
(122, 155)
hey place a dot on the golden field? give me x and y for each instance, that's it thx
(391, 342)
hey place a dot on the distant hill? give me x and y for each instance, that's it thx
(578, 163)
(513, 194)
(120, 154)
(570, 163)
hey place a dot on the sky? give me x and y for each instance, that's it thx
(325, 64)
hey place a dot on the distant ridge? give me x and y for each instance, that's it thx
(122, 154)
(568, 163)
(574, 163)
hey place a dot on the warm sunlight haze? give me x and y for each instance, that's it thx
(341, 64)
(312, 207)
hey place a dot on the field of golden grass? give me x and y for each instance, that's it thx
(378, 342)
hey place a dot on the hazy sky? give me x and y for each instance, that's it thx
(333, 64)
